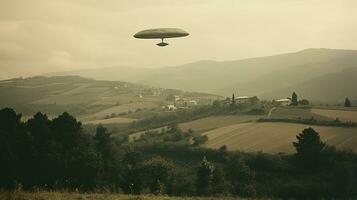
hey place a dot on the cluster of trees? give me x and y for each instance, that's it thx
(57, 153)
(295, 101)
(251, 105)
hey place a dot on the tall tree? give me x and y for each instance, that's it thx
(43, 149)
(347, 102)
(294, 99)
(109, 154)
(218, 181)
(204, 177)
(13, 148)
(241, 177)
(157, 172)
(309, 148)
(132, 182)
(233, 100)
(76, 157)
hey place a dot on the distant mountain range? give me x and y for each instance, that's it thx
(316, 74)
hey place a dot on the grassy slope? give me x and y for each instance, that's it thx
(275, 137)
(344, 115)
(124, 108)
(205, 124)
(214, 122)
(19, 195)
(333, 87)
(87, 99)
(295, 113)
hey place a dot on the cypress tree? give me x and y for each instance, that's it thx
(294, 99)
(347, 102)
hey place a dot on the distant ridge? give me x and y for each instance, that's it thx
(262, 76)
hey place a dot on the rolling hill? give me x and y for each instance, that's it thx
(267, 77)
(86, 98)
(329, 87)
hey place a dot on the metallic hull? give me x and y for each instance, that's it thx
(161, 33)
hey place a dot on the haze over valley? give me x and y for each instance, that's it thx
(305, 72)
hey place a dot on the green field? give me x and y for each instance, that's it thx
(19, 195)
(275, 137)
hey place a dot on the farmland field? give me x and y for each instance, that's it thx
(205, 124)
(344, 115)
(295, 113)
(275, 137)
(214, 122)
(116, 120)
(81, 93)
(122, 109)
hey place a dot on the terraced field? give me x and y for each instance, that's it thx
(344, 115)
(275, 137)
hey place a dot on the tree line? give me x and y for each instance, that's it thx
(58, 154)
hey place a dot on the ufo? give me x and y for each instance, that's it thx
(161, 33)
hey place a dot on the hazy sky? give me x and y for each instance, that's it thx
(38, 36)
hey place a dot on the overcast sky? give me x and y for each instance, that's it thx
(38, 36)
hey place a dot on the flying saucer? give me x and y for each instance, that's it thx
(161, 33)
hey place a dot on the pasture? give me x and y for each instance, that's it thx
(344, 115)
(275, 137)
(209, 123)
(296, 113)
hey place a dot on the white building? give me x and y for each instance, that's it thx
(242, 99)
(191, 103)
(177, 98)
(283, 102)
(171, 107)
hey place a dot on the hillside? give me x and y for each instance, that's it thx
(330, 87)
(262, 76)
(87, 98)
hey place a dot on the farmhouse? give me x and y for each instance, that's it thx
(283, 102)
(171, 107)
(191, 103)
(177, 98)
(246, 99)
(242, 99)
